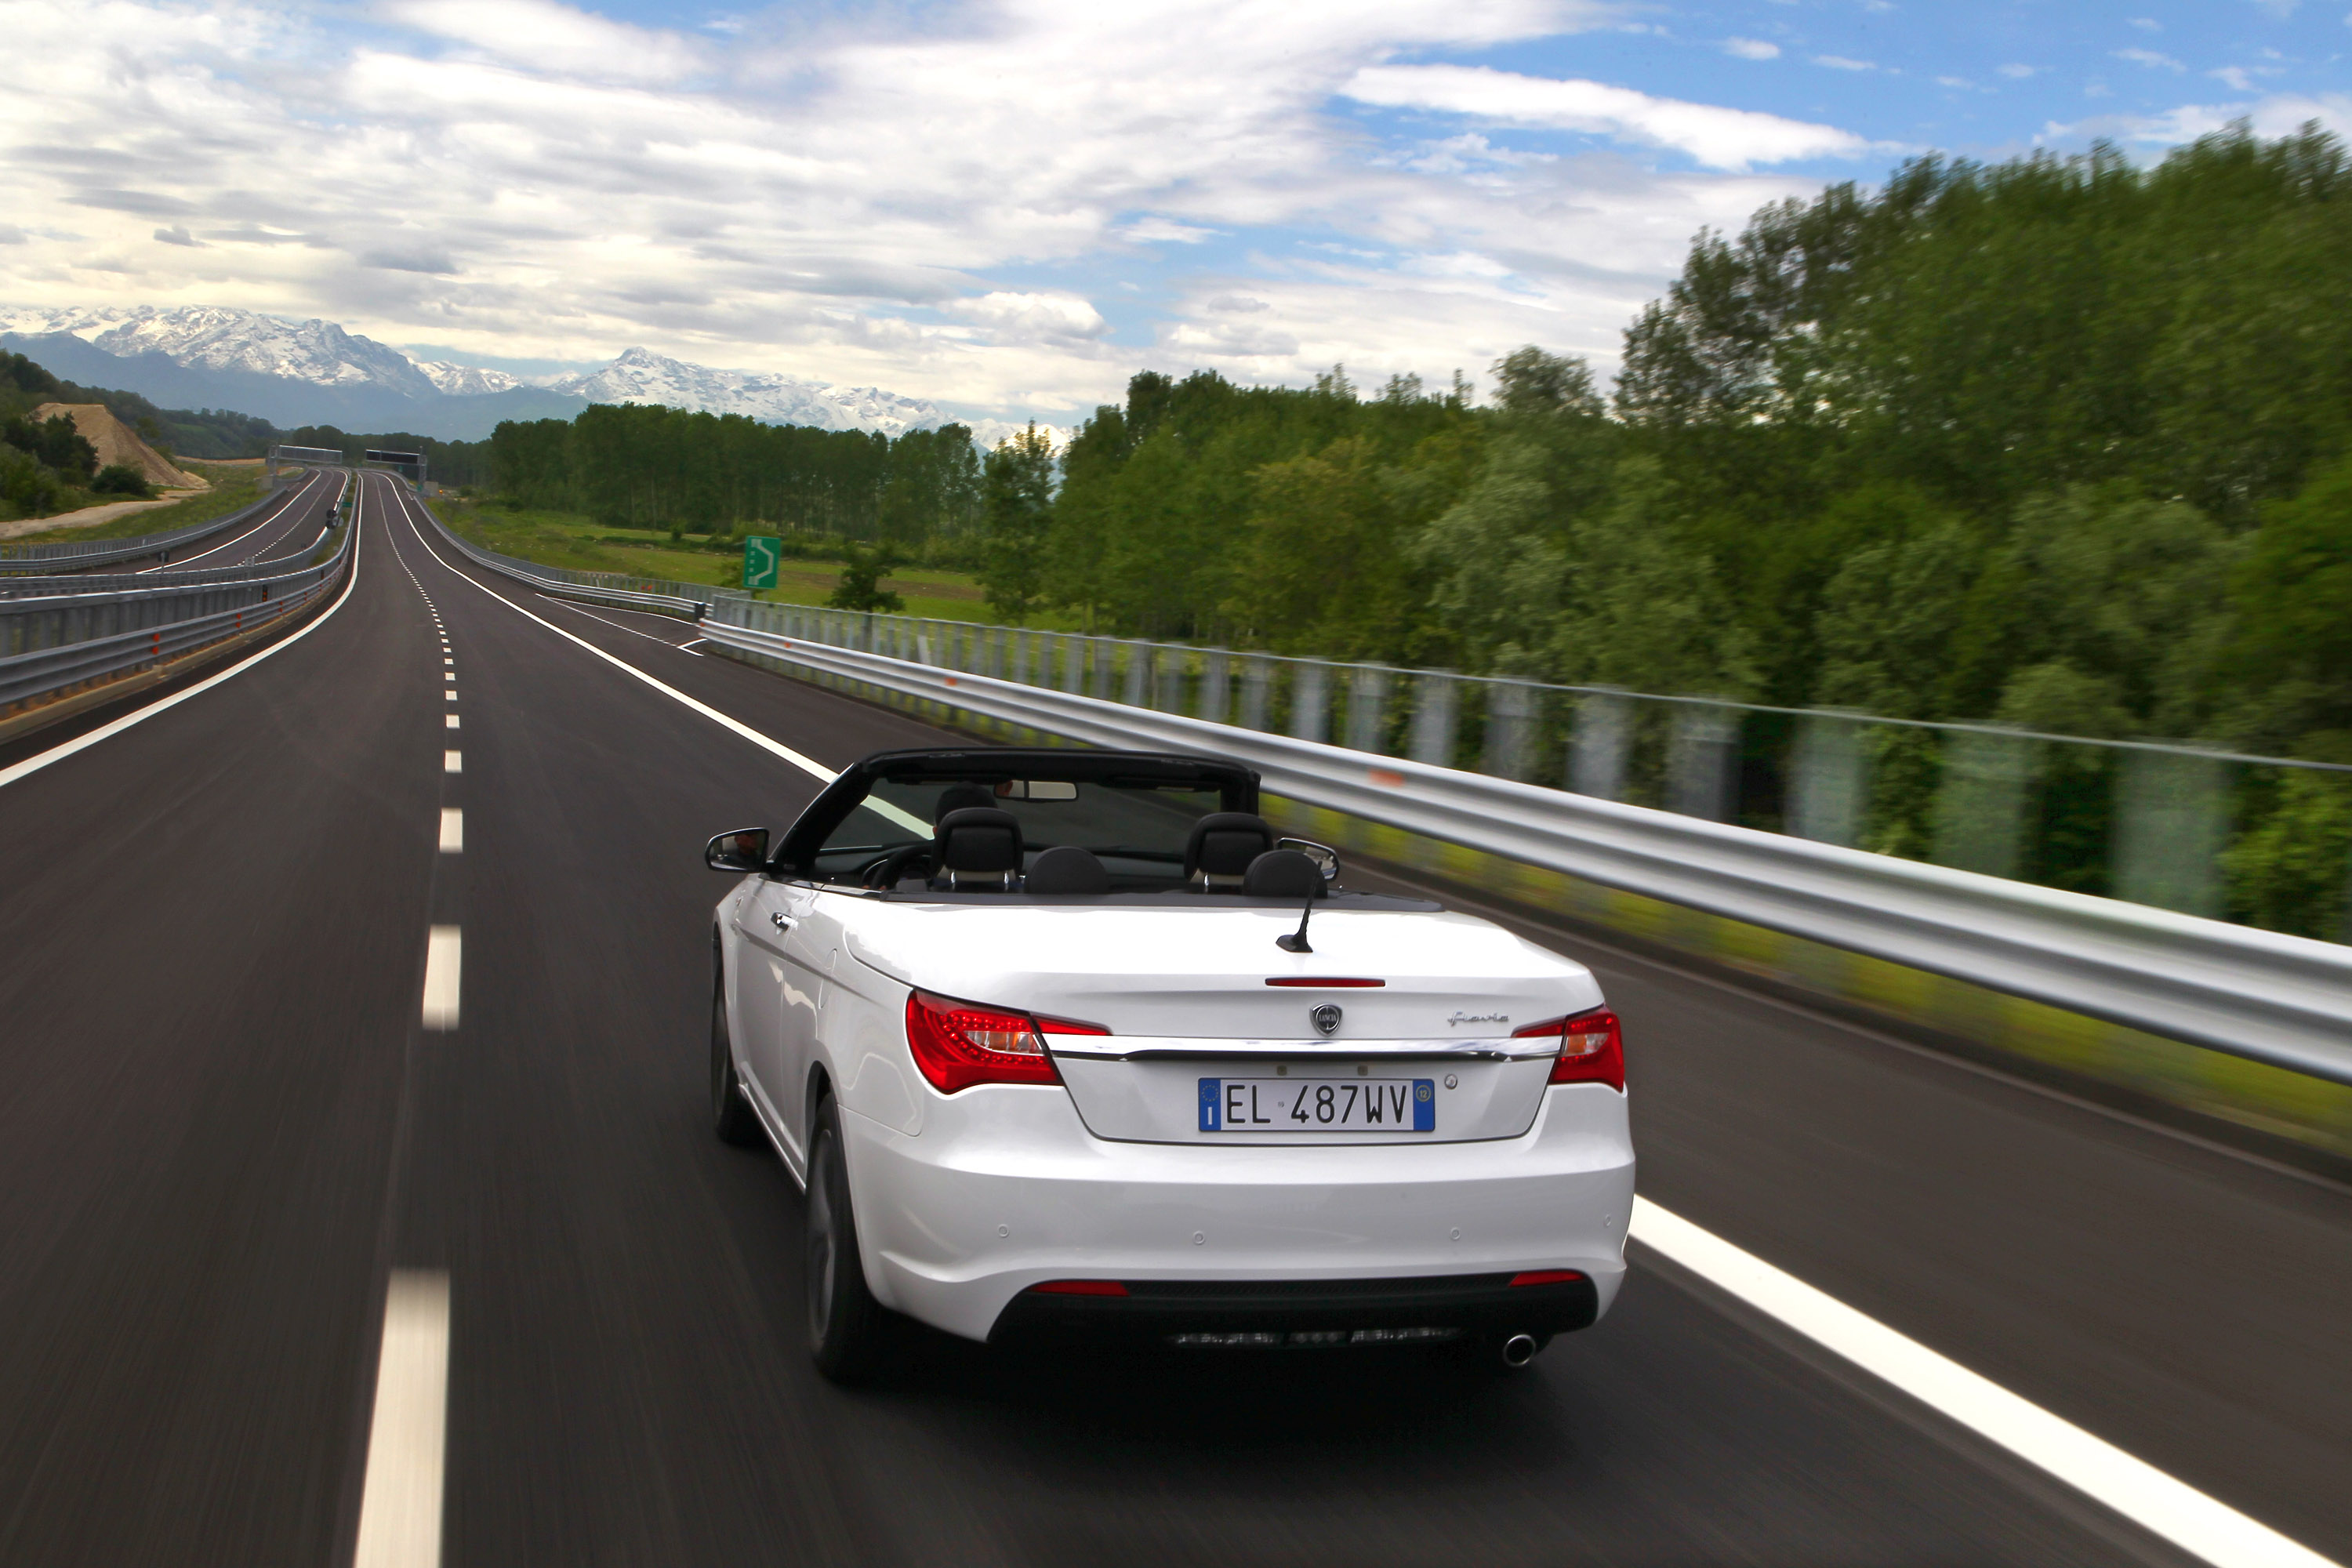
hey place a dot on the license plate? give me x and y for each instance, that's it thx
(1318, 1105)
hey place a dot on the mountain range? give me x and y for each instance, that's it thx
(294, 374)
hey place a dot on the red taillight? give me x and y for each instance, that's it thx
(1078, 1288)
(957, 1044)
(1336, 982)
(1546, 1277)
(1591, 1047)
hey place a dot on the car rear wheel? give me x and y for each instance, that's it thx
(730, 1113)
(846, 1325)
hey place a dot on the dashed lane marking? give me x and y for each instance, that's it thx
(444, 954)
(451, 721)
(453, 827)
(400, 1501)
(453, 762)
(451, 695)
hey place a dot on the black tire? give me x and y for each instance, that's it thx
(732, 1116)
(846, 1325)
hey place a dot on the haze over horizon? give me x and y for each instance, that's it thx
(1007, 208)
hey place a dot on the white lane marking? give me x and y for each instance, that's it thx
(399, 1502)
(682, 647)
(2199, 1524)
(444, 951)
(451, 721)
(283, 502)
(617, 625)
(806, 764)
(453, 827)
(450, 695)
(60, 752)
(448, 660)
(449, 675)
(453, 762)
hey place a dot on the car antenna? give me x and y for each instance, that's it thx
(1296, 941)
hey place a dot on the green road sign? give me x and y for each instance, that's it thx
(760, 557)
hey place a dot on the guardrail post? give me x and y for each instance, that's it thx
(1257, 684)
(1020, 670)
(1171, 661)
(1310, 708)
(1101, 649)
(1703, 764)
(1602, 742)
(1828, 781)
(1432, 718)
(1073, 655)
(1368, 693)
(1216, 685)
(1510, 725)
(2171, 824)
(1980, 805)
(1138, 690)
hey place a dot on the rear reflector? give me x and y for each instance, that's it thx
(1078, 1288)
(1546, 1277)
(1335, 984)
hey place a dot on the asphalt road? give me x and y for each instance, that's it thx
(221, 1125)
(288, 531)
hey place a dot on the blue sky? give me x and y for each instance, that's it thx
(1010, 205)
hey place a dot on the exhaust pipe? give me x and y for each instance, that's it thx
(1520, 1350)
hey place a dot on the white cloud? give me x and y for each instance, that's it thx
(2151, 59)
(1718, 138)
(2147, 24)
(2281, 115)
(1752, 48)
(1956, 81)
(544, 35)
(1841, 63)
(928, 199)
(2234, 78)
(2018, 72)
(1161, 230)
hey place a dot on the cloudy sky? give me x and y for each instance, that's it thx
(1009, 205)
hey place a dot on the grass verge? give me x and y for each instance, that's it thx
(233, 486)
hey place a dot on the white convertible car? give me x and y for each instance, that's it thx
(1067, 1044)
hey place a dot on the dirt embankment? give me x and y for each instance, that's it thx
(117, 443)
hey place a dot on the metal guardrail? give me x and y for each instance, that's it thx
(2279, 999)
(84, 553)
(593, 587)
(56, 646)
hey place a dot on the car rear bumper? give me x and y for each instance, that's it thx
(1004, 1189)
(1302, 1314)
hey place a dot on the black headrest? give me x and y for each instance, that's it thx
(979, 840)
(1067, 868)
(960, 798)
(1224, 843)
(1282, 874)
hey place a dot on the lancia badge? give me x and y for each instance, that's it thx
(1326, 1018)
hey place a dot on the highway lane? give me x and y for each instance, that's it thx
(223, 1124)
(289, 530)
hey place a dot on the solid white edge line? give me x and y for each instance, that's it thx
(617, 625)
(806, 764)
(2173, 1510)
(400, 1501)
(453, 830)
(285, 500)
(58, 753)
(2199, 1524)
(445, 954)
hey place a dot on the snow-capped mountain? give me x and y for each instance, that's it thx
(213, 338)
(466, 380)
(314, 371)
(640, 375)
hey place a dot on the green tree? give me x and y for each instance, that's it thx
(862, 570)
(1018, 490)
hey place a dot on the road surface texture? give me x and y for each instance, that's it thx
(222, 1126)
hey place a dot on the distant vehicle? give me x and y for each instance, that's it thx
(1068, 1045)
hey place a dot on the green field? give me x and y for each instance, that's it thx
(233, 486)
(567, 539)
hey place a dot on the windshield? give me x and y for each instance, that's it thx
(1137, 830)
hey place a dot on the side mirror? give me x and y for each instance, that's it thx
(744, 849)
(1326, 859)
